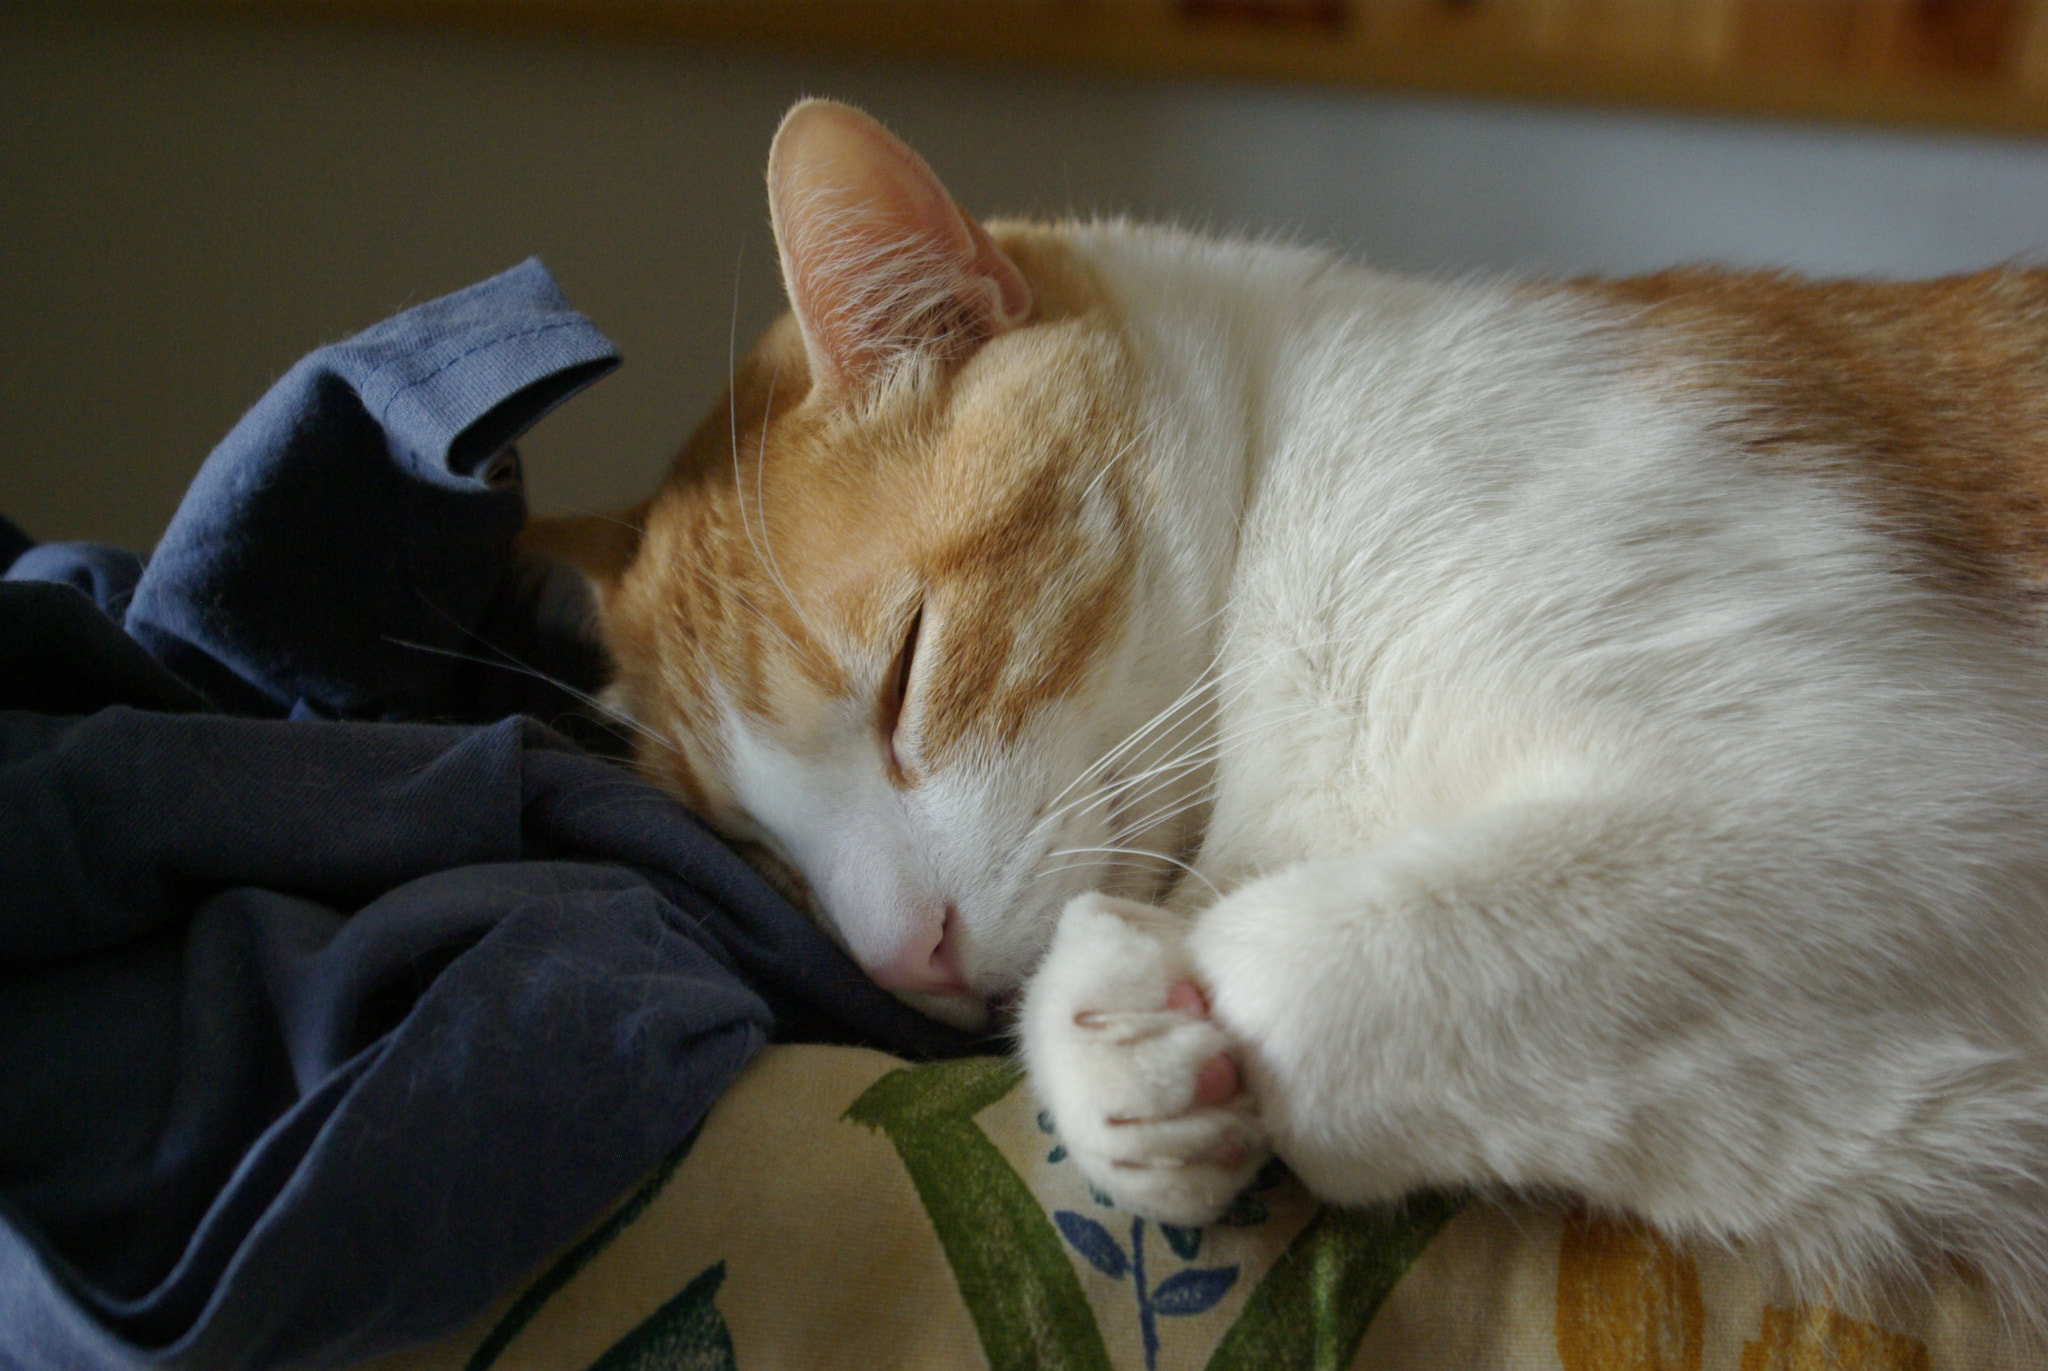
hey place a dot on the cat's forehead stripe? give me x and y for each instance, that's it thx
(1043, 573)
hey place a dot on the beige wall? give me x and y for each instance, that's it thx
(185, 206)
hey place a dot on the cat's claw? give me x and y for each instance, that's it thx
(1142, 1084)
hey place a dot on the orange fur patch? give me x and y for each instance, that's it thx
(1930, 397)
(797, 534)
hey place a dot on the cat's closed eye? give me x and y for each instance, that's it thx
(889, 710)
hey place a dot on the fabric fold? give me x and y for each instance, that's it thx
(332, 998)
(343, 546)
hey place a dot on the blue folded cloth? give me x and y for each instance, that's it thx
(319, 1027)
(361, 516)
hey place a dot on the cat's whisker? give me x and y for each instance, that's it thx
(762, 550)
(1119, 791)
(1171, 771)
(1153, 820)
(1166, 773)
(1144, 853)
(507, 661)
(1162, 775)
(1068, 803)
(606, 517)
(1048, 873)
(732, 415)
(1190, 696)
(514, 665)
(1135, 738)
(1158, 728)
(761, 509)
(1164, 778)
(1126, 792)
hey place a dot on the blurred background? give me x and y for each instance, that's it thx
(194, 194)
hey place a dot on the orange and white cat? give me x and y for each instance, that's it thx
(1586, 737)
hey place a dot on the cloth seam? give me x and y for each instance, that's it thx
(384, 411)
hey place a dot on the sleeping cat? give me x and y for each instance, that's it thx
(1583, 737)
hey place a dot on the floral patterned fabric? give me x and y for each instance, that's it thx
(841, 1209)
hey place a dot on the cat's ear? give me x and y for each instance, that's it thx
(878, 260)
(600, 546)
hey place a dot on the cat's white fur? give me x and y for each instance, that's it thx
(1595, 807)
(1592, 806)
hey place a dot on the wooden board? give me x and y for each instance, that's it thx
(1980, 64)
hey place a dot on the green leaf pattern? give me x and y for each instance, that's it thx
(1310, 1311)
(1009, 1257)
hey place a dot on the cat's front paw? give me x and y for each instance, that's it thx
(1142, 1085)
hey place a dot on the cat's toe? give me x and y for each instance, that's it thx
(1185, 1169)
(1217, 1081)
(1142, 1085)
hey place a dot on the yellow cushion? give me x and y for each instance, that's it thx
(841, 1209)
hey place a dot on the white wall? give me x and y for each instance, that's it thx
(186, 206)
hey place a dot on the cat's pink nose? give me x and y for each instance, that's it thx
(928, 962)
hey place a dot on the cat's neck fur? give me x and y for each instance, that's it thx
(1205, 338)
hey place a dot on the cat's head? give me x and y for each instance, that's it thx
(881, 618)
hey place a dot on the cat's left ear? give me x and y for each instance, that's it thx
(878, 260)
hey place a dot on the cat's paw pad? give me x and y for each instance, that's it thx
(1143, 1086)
